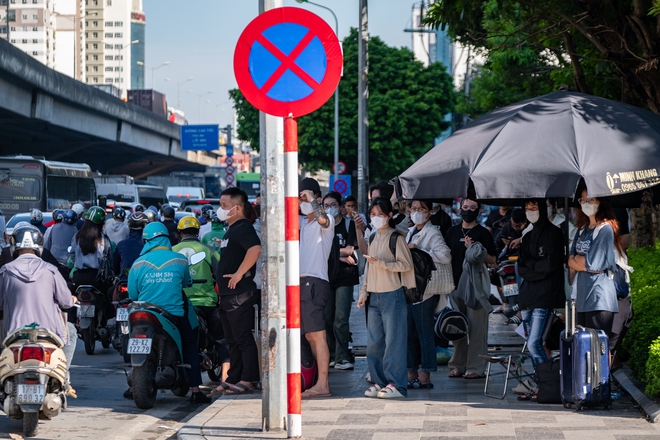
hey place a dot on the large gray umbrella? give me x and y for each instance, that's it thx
(542, 147)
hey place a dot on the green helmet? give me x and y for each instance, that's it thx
(153, 230)
(95, 214)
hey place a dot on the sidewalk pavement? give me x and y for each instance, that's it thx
(455, 408)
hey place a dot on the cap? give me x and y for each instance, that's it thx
(310, 184)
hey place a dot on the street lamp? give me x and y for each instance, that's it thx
(178, 89)
(153, 69)
(336, 90)
(200, 96)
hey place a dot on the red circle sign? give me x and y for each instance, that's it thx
(288, 62)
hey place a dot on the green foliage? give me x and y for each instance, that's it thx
(645, 330)
(407, 104)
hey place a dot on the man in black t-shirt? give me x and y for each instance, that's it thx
(466, 361)
(497, 219)
(240, 249)
(338, 307)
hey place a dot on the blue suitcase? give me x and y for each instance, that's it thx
(584, 365)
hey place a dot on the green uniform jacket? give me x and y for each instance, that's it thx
(200, 295)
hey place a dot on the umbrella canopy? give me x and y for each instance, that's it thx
(543, 147)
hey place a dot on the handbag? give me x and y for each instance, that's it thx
(105, 273)
(442, 280)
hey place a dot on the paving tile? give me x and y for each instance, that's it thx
(447, 410)
(627, 424)
(444, 426)
(539, 434)
(358, 419)
(366, 404)
(352, 434)
(635, 437)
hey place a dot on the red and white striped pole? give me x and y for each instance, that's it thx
(292, 247)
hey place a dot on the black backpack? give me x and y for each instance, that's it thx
(333, 260)
(423, 266)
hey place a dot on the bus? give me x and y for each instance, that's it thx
(250, 183)
(27, 183)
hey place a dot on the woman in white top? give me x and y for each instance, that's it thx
(421, 339)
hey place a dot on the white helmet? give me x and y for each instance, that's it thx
(26, 237)
(78, 208)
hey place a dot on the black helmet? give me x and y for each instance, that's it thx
(58, 215)
(207, 210)
(451, 324)
(119, 213)
(137, 221)
(139, 208)
(26, 237)
(167, 211)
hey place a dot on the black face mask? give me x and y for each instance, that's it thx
(469, 216)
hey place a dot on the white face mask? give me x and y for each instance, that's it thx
(418, 218)
(550, 212)
(589, 209)
(379, 222)
(332, 212)
(223, 214)
(306, 208)
(532, 216)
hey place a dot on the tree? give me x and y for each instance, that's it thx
(407, 105)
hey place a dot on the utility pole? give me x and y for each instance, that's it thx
(273, 272)
(363, 109)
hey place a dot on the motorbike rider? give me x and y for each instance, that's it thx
(168, 220)
(32, 290)
(207, 213)
(203, 296)
(213, 238)
(37, 219)
(128, 250)
(58, 216)
(58, 239)
(510, 234)
(158, 261)
(116, 230)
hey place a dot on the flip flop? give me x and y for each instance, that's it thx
(416, 384)
(454, 374)
(220, 390)
(242, 389)
(471, 376)
(311, 394)
(529, 397)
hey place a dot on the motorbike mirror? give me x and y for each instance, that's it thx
(196, 258)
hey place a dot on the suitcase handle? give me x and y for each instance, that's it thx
(570, 318)
(589, 369)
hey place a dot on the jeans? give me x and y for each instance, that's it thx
(337, 312)
(237, 316)
(70, 345)
(387, 334)
(421, 337)
(535, 322)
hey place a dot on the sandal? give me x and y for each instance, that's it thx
(473, 376)
(238, 388)
(221, 389)
(455, 374)
(530, 397)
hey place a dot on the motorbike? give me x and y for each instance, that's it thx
(208, 353)
(34, 376)
(92, 318)
(119, 301)
(155, 348)
(507, 273)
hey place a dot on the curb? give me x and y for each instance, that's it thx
(193, 428)
(623, 376)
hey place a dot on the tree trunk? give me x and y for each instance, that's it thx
(641, 231)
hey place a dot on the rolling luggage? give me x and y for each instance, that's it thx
(584, 365)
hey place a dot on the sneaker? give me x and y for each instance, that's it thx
(389, 392)
(373, 391)
(332, 364)
(523, 387)
(344, 365)
(199, 397)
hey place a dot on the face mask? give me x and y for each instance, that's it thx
(550, 212)
(589, 209)
(379, 222)
(418, 218)
(469, 216)
(332, 212)
(532, 216)
(223, 214)
(306, 208)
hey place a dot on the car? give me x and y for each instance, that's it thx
(25, 217)
(192, 204)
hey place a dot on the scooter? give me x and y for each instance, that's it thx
(34, 376)
(208, 353)
(507, 272)
(155, 349)
(92, 318)
(119, 301)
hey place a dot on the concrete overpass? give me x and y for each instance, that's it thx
(46, 113)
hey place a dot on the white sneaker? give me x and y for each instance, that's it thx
(523, 387)
(389, 392)
(373, 391)
(332, 364)
(344, 365)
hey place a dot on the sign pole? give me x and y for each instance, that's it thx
(292, 227)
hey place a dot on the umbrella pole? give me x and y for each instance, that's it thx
(565, 227)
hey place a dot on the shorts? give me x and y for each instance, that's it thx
(314, 294)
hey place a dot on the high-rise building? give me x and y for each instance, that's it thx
(138, 24)
(27, 24)
(68, 21)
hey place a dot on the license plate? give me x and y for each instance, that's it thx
(510, 289)
(123, 326)
(122, 314)
(28, 394)
(139, 346)
(86, 311)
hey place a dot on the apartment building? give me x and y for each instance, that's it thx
(27, 25)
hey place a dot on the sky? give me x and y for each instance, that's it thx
(198, 38)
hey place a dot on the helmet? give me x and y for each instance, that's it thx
(70, 217)
(153, 208)
(188, 209)
(451, 324)
(26, 237)
(119, 213)
(151, 215)
(207, 210)
(153, 230)
(36, 216)
(78, 208)
(188, 222)
(58, 215)
(96, 215)
(215, 218)
(167, 211)
(137, 221)
(139, 208)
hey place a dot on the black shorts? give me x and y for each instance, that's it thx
(314, 294)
